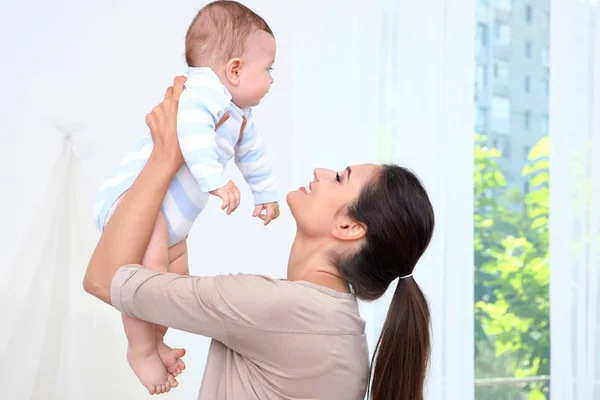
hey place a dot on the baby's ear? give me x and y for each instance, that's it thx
(233, 70)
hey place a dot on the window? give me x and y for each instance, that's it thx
(480, 120)
(502, 142)
(546, 57)
(506, 149)
(505, 5)
(482, 35)
(528, 14)
(502, 33)
(546, 21)
(505, 146)
(501, 71)
(528, 48)
(544, 125)
(547, 88)
(501, 106)
(481, 77)
(509, 364)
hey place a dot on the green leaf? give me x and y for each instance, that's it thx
(541, 149)
(540, 179)
(538, 166)
(539, 223)
(536, 394)
(499, 177)
(485, 223)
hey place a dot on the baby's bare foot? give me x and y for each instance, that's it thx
(171, 358)
(149, 369)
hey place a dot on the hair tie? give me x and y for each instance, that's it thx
(406, 276)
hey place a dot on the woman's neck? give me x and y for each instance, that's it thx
(309, 261)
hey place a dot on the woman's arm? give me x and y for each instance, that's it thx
(128, 232)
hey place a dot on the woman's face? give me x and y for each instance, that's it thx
(317, 205)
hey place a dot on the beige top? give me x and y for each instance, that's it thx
(272, 339)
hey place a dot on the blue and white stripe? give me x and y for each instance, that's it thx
(206, 154)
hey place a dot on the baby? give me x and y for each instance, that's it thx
(229, 51)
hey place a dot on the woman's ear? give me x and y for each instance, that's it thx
(233, 70)
(345, 228)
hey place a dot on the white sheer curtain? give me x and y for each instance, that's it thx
(355, 81)
(425, 122)
(56, 342)
(575, 200)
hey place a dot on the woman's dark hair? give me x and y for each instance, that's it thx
(399, 222)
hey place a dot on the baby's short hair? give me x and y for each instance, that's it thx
(219, 32)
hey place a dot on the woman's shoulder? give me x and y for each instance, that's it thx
(296, 305)
(282, 286)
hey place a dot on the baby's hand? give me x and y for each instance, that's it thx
(230, 195)
(272, 212)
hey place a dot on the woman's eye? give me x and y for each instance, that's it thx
(337, 177)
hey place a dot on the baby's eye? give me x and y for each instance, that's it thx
(338, 177)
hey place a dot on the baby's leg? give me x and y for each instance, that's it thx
(178, 264)
(178, 259)
(142, 352)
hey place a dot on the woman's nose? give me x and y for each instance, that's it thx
(322, 173)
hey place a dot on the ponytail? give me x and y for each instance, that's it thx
(399, 220)
(402, 353)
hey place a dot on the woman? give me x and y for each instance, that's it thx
(300, 338)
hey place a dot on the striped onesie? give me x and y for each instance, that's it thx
(206, 153)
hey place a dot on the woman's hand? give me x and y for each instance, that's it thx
(162, 122)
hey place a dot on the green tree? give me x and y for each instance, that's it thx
(512, 332)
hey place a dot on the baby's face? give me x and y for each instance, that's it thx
(255, 75)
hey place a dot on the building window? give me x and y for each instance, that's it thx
(528, 48)
(501, 106)
(544, 125)
(505, 5)
(526, 186)
(501, 70)
(528, 14)
(527, 84)
(502, 143)
(546, 57)
(526, 151)
(502, 33)
(482, 35)
(527, 120)
(547, 88)
(546, 21)
(481, 77)
(480, 120)
(505, 146)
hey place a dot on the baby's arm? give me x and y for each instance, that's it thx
(201, 107)
(251, 159)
